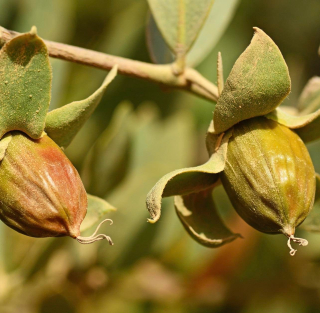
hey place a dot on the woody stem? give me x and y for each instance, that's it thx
(189, 80)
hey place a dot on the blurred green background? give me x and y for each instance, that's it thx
(139, 133)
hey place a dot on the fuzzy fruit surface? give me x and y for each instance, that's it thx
(269, 176)
(41, 193)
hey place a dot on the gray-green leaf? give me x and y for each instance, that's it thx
(187, 180)
(258, 83)
(62, 124)
(25, 85)
(218, 19)
(158, 49)
(180, 21)
(97, 208)
(200, 218)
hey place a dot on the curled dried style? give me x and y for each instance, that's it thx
(94, 237)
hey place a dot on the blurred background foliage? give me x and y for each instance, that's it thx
(139, 133)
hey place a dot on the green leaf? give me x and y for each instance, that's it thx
(97, 208)
(218, 19)
(4, 142)
(312, 222)
(188, 180)
(62, 124)
(157, 47)
(25, 85)
(310, 97)
(180, 21)
(258, 83)
(108, 160)
(200, 218)
(215, 25)
(306, 126)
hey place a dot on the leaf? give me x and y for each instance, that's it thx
(4, 142)
(200, 218)
(306, 126)
(310, 97)
(187, 180)
(157, 47)
(180, 21)
(62, 124)
(312, 222)
(108, 160)
(97, 208)
(218, 19)
(25, 85)
(215, 25)
(259, 81)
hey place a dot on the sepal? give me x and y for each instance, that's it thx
(25, 85)
(62, 124)
(258, 83)
(306, 126)
(189, 180)
(200, 218)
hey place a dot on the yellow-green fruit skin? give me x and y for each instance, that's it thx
(41, 193)
(269, 176)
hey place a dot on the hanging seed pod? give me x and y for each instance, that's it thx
(41, 193)
(269, 177)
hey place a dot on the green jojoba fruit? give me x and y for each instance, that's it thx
(269, 177)
(41, 193)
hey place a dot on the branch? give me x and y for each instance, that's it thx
(190, 80)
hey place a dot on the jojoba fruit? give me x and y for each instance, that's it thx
(41, 193)
(269, 177)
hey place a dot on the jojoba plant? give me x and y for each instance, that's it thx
(255, 152)
(255, 149)
(41, 193)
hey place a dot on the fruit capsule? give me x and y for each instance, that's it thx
(41, 193)
(269, 177)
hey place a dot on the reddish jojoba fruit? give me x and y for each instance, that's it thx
(269, 177)
(41, 193)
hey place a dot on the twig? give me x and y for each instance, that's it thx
(190, 80)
